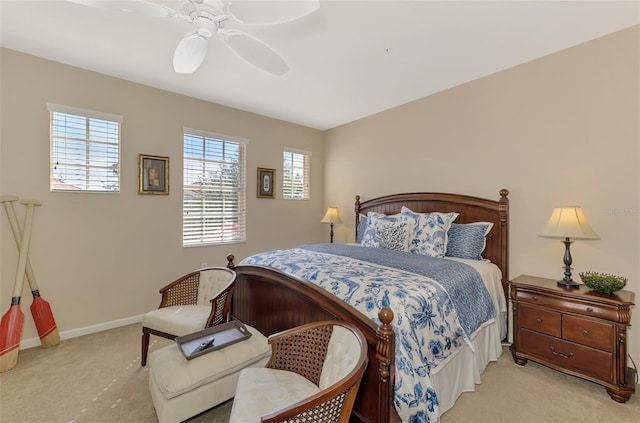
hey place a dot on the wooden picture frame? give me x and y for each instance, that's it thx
(153, 175)
(266, 183)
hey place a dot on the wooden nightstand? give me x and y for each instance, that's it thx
(575, 331)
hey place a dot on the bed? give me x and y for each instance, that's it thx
(270, 297)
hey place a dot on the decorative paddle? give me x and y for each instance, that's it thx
(11, 323)
(40, 309)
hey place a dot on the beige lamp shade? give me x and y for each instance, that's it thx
(331, 216)
(568, 222)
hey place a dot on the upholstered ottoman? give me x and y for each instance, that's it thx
(182, 388)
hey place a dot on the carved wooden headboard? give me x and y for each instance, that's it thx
(471, 209)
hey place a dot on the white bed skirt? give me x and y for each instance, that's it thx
(462, 372)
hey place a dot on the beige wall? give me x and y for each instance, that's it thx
(561, 130)
(100, 257)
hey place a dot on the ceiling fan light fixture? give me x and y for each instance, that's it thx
(190, 54)
(205, 26)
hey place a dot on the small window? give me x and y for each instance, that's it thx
(213, 206)
(296, 174)
(85, 150)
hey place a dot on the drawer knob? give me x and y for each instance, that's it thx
(590, 309)
(585, 332)
(534, 298)
(553, 350)
(538, 320)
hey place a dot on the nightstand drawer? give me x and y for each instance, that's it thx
(540, 320)
(587, 332)
(568, 355)
(538, 298)
(587, 308)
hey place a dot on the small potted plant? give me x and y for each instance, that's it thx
(603, 282)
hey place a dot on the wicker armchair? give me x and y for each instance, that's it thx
(194, 302)
(313, 376)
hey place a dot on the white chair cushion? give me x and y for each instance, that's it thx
(211, 282)
(178, 320)
(343, 352)
(175, 375)
(262, 391)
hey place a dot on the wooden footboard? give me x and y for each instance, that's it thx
(272, 301)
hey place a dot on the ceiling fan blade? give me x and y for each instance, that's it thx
(140, 7)
(270, 12)
(256, 52)
(190, 53)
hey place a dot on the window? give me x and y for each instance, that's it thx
(85, 150)
(213, 205)
(296, 174)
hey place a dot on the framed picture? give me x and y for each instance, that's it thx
(153, 175)
(266, 183)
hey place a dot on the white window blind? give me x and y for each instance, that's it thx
(214, 195)
(84, 150)
(296, 174)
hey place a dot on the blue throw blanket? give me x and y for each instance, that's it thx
(438, 305)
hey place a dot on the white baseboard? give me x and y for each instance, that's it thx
(74, 333)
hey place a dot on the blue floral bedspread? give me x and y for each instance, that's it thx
(438, 305)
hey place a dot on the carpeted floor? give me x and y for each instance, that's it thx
(98, 378)
(91, 379)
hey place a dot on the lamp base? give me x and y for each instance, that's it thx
(568, 284)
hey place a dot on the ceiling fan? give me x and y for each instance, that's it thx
(210, 17)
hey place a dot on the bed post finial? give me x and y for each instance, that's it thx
(385, 352)
(503, 206)
(386, 317)
(230, 259)
(357, 209)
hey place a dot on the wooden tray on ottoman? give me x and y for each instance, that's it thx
(199, 343)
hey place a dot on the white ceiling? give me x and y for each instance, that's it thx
(349, 59)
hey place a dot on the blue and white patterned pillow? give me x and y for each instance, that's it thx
(385, 232)
(429, 231)
(362, 227)
(468, 241)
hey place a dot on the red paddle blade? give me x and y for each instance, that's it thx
(11, 329)
(10, 332)
(42, 317)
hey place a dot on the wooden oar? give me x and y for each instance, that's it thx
(11, 323)
(40, 309)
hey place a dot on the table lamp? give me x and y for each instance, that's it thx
(567, 223)
(331, 216)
